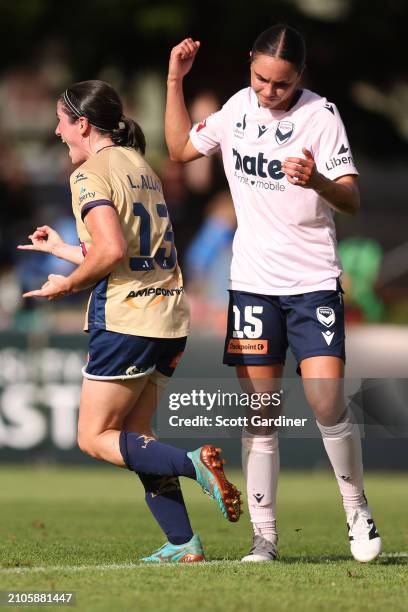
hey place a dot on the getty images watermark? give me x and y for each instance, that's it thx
(222, 400)
(221, 408)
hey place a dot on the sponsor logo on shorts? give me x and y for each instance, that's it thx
(248, 347)
(133, 370)
(328, 336)
(176, 360)
(326, 316)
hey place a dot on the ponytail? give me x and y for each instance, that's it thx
(102, 106)
(130, 135)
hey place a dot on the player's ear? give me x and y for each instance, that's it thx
(83, 124)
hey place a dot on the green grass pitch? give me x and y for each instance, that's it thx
(84, 529)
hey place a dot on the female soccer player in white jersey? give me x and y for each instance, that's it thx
(137, 316)
(289, 167)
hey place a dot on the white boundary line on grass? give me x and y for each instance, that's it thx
(67, 568)
(105, 567)
(128, 566)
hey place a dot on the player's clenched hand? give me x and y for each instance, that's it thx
(302, 171)
(56, 286)
(182, 58)
(43, 239)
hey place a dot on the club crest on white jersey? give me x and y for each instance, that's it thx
(284, 131)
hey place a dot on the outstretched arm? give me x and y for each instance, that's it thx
(341, 194)
(177, 119)
(46, 240)
(107, 249)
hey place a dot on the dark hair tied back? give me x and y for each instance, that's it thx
(283, 42)
(102, 106)
(129, 134)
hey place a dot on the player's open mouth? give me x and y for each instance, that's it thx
(65, 142)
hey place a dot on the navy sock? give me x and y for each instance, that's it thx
(148, 456)
(166, 503)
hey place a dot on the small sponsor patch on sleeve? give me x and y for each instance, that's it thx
(201, 125)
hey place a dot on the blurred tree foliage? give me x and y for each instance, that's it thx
(366, 43)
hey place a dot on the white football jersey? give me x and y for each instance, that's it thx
(285, 243)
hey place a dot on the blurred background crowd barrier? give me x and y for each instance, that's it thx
(356, 58)
(40, 383)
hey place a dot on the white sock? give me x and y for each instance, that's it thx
(260, 463)
(343, 447)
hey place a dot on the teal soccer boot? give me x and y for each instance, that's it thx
(210, 475)
(191, 552)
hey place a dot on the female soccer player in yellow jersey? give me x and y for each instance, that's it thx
(137, 317)
(289, 167)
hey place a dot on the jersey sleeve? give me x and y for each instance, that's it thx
(91, 191)
(330, 146)
(207, 135)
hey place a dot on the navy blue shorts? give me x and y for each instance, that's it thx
(261, 327)
(122, 356)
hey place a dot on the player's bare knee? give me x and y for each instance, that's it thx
(328, 411)
(328, 415)
(324, 415)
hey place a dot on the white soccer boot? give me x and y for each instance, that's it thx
(262, 550)
(365, 541)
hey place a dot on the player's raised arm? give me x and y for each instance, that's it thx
(177, 120)
(46, 240)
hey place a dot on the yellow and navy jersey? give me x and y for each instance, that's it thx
(144, 293)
